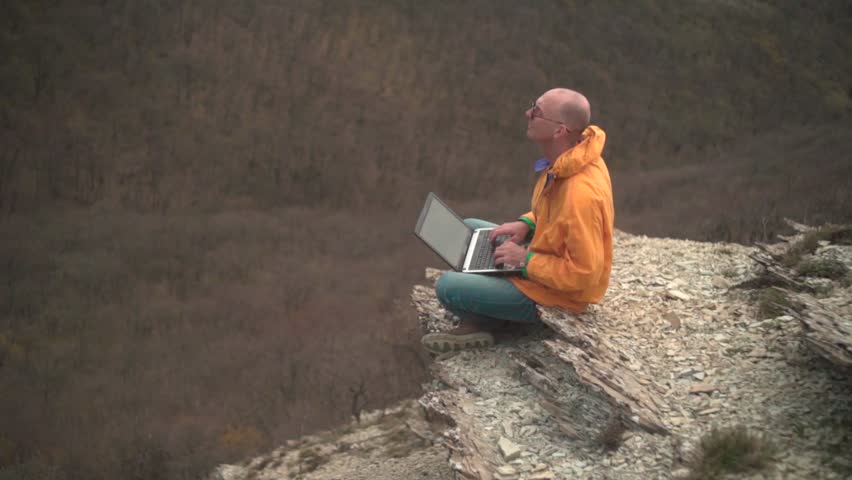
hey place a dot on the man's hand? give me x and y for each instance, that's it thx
(518, 231)
(509, 253)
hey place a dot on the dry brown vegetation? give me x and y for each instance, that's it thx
(178, 178)
(196, 337)
(724, 451)
(159, 105)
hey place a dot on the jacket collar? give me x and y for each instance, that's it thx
(578, 157)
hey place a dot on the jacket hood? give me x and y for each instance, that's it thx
(587, 151)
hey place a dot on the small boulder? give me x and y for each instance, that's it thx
(677, 294)
(673, 319)
(509, 449)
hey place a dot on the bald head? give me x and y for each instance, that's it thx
(573, 107)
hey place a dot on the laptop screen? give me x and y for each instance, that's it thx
(443, 231)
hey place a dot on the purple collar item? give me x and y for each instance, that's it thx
(541, 164)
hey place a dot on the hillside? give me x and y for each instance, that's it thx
(164, 105)
(180, 178)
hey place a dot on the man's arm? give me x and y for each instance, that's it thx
(529, 219)
(583, 261)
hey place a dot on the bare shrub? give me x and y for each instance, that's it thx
(359, 399)
(612, 435)
(143, 458)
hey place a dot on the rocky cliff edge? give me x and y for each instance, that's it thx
(691, 338)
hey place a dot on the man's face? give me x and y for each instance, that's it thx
(543, 119)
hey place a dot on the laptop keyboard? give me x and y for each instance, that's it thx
(483, 256)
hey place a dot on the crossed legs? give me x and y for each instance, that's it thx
(481, 302)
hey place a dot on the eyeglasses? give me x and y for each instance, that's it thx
(535, 112)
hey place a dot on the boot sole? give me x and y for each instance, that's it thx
(439, 343)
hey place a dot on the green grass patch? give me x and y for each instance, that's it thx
(729, 450)
(823, 291)
(730, 272)
(822, 267)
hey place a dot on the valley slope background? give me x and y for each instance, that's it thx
(207, 206)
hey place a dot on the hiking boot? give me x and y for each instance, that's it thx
(439, 343)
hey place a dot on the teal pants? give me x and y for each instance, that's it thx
(483, 297)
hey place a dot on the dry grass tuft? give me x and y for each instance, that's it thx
(612, 436)
(402, 443)
(310, 459)
(729, 450)
(810, 242)
(773, 303)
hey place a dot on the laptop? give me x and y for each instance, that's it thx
(463, 248)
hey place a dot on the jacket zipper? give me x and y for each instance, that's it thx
(548, 186)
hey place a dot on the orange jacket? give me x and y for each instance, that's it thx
(572, 218)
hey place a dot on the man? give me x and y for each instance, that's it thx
(568, 261)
